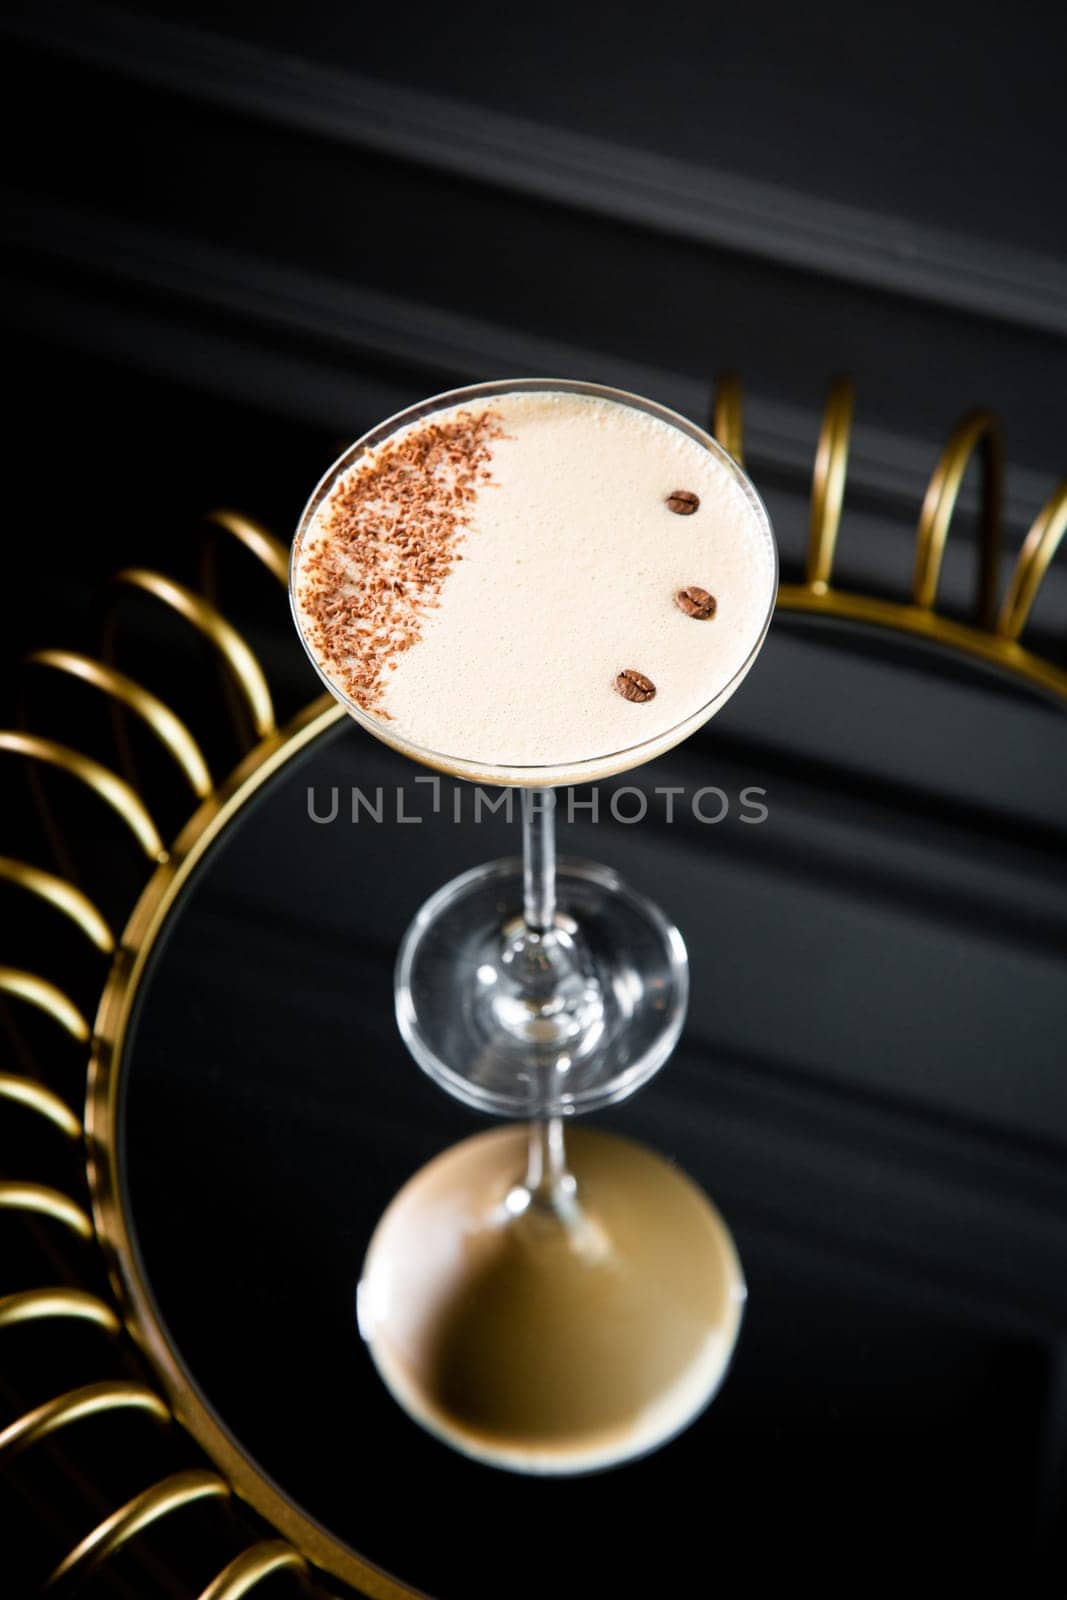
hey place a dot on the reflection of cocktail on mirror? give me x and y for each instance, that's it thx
(532, 584)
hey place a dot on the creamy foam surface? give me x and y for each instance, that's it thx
(570, 561)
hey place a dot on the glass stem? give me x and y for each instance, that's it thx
(547, 1178)
(538, 858)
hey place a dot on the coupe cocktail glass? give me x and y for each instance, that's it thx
(534, 989)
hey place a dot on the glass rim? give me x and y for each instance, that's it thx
(531, 773)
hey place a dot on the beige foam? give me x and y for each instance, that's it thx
(569, 570)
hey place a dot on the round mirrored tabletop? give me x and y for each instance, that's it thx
(865, 852)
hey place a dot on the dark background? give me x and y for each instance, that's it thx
(237, 235)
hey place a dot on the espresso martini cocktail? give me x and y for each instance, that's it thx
(537, 587)
(537, 583)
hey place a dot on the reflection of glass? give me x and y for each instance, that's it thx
(536, 990)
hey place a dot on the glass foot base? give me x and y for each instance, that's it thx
(544, 1342)
(521, 1022)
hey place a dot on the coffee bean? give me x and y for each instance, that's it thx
(683, 501)
(696, 602)
(634, 685)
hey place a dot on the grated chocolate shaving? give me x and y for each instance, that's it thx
(388, 540)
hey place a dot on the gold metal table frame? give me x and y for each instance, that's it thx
(292, 1540)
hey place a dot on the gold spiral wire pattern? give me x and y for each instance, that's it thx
(108, 1537)
(37, 1305)
(43, 996)
(48, 1305)
(39, 1200)
(979, 430)
(113, 790)
(992, 637)
(42, 1100)
(63, 896)
(828, 483)
(256, 539)
(248, 1570)
(154, 713)
(232, 649)
(727, 416)
(91, 1400)
(1035, 558)
(36, 1199)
